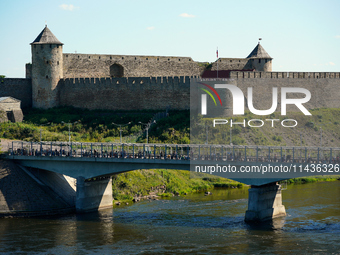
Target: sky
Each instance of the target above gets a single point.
(300, 35)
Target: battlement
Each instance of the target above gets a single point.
(284, 75)
(103, 57)
(182, 81)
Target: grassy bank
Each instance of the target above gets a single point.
(97, 126)
(167, 183)
(311, 179)
(163, 183)
(323, 125)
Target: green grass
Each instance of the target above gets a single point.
(90, 126)
(141, 182)
(306, 133)
(96, 126)
(312, 179)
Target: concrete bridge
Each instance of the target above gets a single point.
(259, 166)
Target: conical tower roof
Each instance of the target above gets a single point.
(46, 37)
(259, 52)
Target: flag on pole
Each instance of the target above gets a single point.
(217, 62)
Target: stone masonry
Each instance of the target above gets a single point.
(20, 195)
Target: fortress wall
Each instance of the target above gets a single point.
(18, 88)
(232, 64)
(139, 93)
(95, 65)
(324, 88)
(133, 93)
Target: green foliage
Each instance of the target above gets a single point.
(96, 126)
(91, 126)
(277, 138)
(310, 124)
(206, 65)
(43, 121)
(173, 129)
(311, 179)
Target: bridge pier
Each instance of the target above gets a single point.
(265, 203)
(94, 194)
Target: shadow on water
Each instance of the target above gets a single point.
(163, 219)
(269, 225)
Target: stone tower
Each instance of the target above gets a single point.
(260, 59)
(47, 69)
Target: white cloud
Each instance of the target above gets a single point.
(68, 7)
(186, 15)
(337, 36)
(332, 64)
(150, 28)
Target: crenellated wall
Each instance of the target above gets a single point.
(132, 93)
(142, 93)
(290, 75)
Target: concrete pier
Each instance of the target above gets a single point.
(265, 203)
(23, 195)
(94, 194)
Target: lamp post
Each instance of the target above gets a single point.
(206, 133)
(147, 128)
(69, 129)
(321, 131)
(120, 128)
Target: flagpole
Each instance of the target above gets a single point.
(217, 61)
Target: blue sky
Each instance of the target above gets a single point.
(299, 35)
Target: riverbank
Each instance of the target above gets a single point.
(150, 184)
(311, 179)
(139, 184)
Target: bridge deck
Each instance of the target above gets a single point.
(99, 159)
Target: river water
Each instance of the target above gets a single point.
(195, 224)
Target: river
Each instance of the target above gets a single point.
(195, 224)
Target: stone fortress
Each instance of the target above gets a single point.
(126, 82)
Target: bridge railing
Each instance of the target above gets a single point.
(249, 153)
